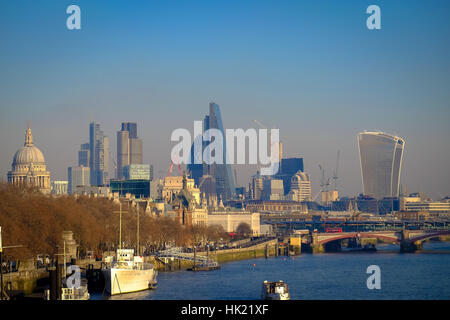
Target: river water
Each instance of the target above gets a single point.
(424, 275)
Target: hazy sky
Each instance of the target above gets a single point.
(310, 68)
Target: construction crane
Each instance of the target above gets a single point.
(324, 183)
(260, 124)
(335, 173)
(169, 173)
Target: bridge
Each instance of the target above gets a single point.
(177, 253)
(409, 240)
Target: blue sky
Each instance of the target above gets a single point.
(310, 68)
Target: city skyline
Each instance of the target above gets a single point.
(295, 67)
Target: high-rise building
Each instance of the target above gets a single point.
(224, 180)
(137, 172)
(138, 188)
(99, 152)
(84, 155)
(272, 189)
(256, 187)
(300, 187)
(77, 177)
(381, 161)
(129, 147)
(289, 167)
(131, 127)
(222, 172)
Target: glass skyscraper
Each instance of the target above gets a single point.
(129, 147)
(225, 185)
(99, 152)
(381, 161)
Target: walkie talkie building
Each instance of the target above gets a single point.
(381, 157)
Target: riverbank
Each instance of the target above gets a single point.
(268, 248)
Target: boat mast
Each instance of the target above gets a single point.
(137, 236)
(120, 225)
(65, 271)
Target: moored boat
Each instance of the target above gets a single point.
(207, 266)
(129, 273)
(275, 290)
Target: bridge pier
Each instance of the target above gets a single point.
(318, 248)
(410, 246)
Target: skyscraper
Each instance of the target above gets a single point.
(84, 155)
(98, 162)
(381, 161)
(224, 180)
(129, 147)
(131, 127)
(289, 167)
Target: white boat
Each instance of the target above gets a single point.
(80, 293)
(276, 290)
(129, 273)
(72, 293)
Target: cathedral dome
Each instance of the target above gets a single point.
(28, 154)
(28, 166)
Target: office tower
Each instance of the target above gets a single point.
(196, 171)
(381, 161)
(99, 152)
(123, 152)
(257, 187)
(138, 188)
(84, 155)
(135, 151)
(78, 176)
(300, 187)
(129, 147)
(137, 172)
(131, 127)
(222, 174)
(272, 189)
(289, 167)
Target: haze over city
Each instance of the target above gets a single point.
(318, 75)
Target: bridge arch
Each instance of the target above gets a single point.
(361, 235)
(429, 236)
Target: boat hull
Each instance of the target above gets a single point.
(118, 281)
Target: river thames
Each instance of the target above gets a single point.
(329, 276)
